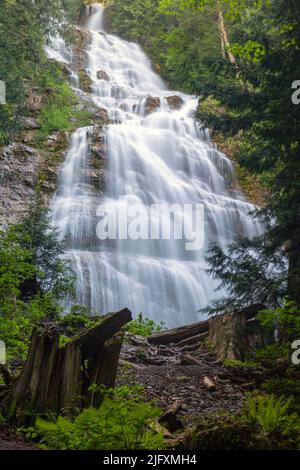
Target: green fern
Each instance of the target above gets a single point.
(271, 415)
(121, 423)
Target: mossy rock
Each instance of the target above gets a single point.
(85, 81)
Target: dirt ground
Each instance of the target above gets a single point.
(189, 376)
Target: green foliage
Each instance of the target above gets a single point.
(239, 364)
(287, 387)
(144, 326)
(37, 236)
(264, 423)
(285, 319)
(272, 419)
(180, 41)
(24, 27)
(251, 273)
(121, 423)
(75, 321)
(255, 95)
(33, 277)
(15, 269)
(270, 354)
(59, 112)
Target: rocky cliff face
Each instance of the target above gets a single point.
(29, 163)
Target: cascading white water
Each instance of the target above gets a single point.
(159, 158)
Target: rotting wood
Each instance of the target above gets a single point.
(55, 378)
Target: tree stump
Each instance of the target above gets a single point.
(57, 379)
(233, 335)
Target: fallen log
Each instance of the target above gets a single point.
(177, 335)
(58, 379)
(193, 340)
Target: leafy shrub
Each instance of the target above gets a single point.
(121, 423)
(143, 326)
(286, 320)
(275, 359)
(271, 417)
(264, 423)
(59, 111)
(76, 320)
(285, 387)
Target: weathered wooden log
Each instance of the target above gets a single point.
(179, 334)
(91, 340)
(193, 340)
(102, 368)
(56, 378)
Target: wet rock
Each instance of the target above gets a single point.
(85, 80)
(152, 104)
(137, 340)
(100, 115)
(83, 15)
(80, 57)
(102, 75)
(34, 101)
(97, 151)
(174, 102)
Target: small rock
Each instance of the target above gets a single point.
(101, 115)
(102, 75)
(187, 360)
(29, 123)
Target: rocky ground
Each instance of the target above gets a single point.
(13, 442)
(188, 378)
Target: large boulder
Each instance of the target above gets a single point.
(174, 102)
(101, 116)
(152, 104)
(30, 124)
(82, 40)
(85, 80)
(83, 15)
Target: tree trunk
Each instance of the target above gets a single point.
(233, 335)
(224, 36)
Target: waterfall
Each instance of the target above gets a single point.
(156, 155)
